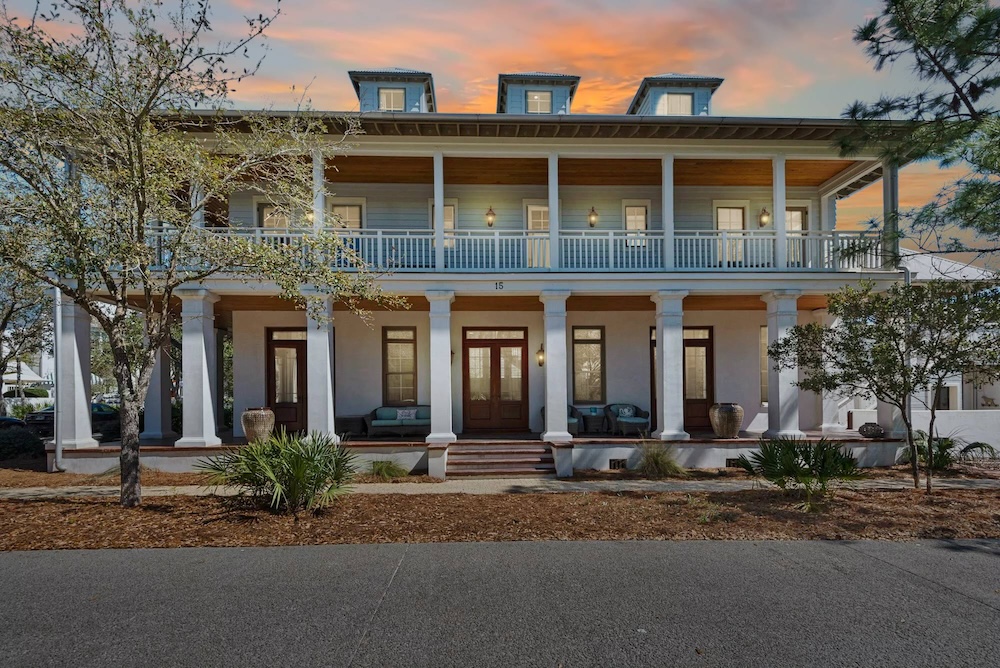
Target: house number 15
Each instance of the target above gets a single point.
(499, 285)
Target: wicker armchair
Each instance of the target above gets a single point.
(573, 419)
(638, 423)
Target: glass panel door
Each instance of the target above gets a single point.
(699, 376)
(510, 373)
(538, 221)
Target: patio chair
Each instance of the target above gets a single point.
(573, 420)
(626, 418)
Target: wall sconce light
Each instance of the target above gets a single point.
(491, 217)
(764, 219)
(540, 355)
(592, 217)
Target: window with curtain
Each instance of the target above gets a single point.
(399, 366)
(588, 365)
(270, 218)
(675, 104)
(391, 99)
(349, 215)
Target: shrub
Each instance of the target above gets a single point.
(20, 411)
(28, 393)
(288, 473)
(947, 450)
(386, 469)
(19, 442)
(656, 460)
(798, 465)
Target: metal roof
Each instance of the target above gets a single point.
(397, 74)
(674, 79)
(539, 77)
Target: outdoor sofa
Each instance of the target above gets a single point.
(395, 420)
(626, 418)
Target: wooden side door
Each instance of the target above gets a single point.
(286, 384)
(699, 377)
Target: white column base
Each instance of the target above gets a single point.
(196, 442)
(79, 443)
(443, 437)
(437, 462)
(557, 437)
(833, 428)
(157, 436)
(671, 435)
(563, 457)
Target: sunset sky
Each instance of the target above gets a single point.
(778, 57)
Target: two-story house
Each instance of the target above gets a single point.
(556, 263)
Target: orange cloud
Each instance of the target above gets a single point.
(918, 185)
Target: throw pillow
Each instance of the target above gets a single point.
(406, 413)
(626, 411)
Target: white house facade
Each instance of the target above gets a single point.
(559, 267)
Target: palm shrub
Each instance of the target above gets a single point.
(656, 460)
(288, 473)
(945, 451)
(795, 464)
(387, 469)
(18, 442)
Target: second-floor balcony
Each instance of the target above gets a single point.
(491, 251)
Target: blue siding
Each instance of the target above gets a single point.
(516, 97)
(368, 95)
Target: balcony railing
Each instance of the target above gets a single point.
(590, 250)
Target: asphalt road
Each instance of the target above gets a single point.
(507, 604)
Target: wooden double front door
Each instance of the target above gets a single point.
(699, 376)
(495, 379)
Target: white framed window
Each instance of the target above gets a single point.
(348, 213)
(635, 218)
(730, 214)
(675, 104)
(269, 215)
(538, 102)
(536, 219)
(391, 99)
(450, 216)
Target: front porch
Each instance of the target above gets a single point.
(483, 370)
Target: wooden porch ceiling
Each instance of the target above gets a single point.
(579, 171)
(229, 303)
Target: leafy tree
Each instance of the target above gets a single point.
(898, 346)
(25, 321)
(953, 47)
(115, 151)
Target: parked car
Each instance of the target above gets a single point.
(103, 418)
(6, 422)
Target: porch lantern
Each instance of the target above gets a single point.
(592, 217)
(540, 355)
(764, 218)
(491, 217)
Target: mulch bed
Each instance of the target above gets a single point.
(392, 518)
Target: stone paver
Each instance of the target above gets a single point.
(497, 486)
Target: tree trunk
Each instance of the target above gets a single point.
(911, 444)
(930, 451)
(131, 492)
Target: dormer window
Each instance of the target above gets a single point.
(391, 99)
(675, 104)
(538, 102)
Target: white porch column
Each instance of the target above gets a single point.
(197, 214)
(198, 368)
(556, 368)
(670, 365)
(782, 394)
(667, 195)
(320, 373)
(442, 430)
(439, 211)
(829, 401)
(156, 411)
(779, 199)
(828, 212)
(554, 211)
(889, 418)
(319, 189)
(890, 215)
(73, 429)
